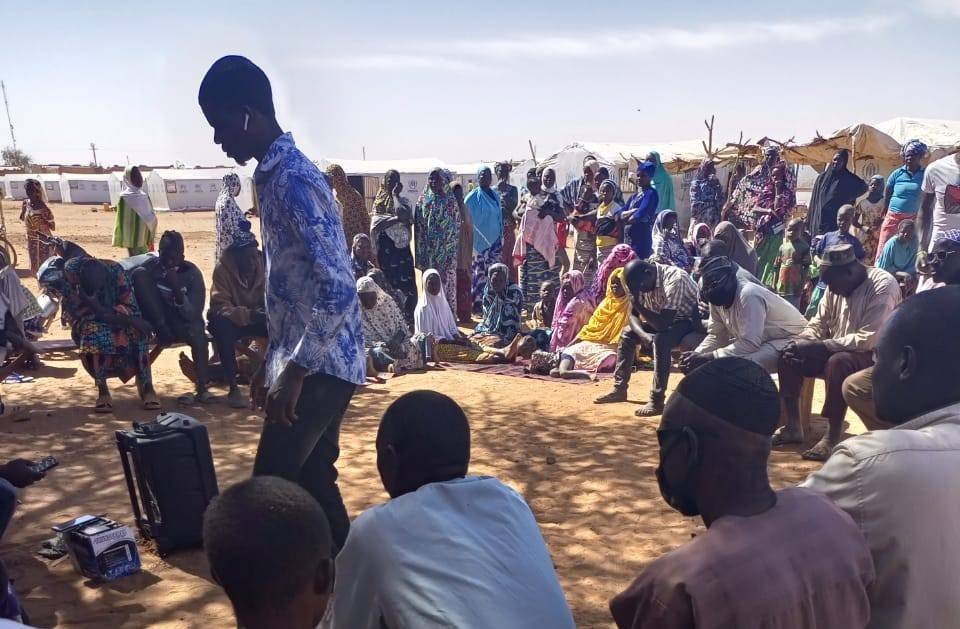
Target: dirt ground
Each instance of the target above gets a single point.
(586, 470)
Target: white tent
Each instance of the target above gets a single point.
(85, 188)
(14, 185)
(942, 136)
(185, 189)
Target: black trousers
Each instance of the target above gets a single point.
(225, 334)
(307, 451)
(663, 344)
(159, 313)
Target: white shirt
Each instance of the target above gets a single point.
(757, 316)
(901, 488)
(462, 553)
(946, 211)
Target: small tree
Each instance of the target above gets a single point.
(15, 157)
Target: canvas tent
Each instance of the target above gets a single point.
(942, 136)
(189, 189)
(14, 185)
(85, 188)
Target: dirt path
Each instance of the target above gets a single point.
(587, 471)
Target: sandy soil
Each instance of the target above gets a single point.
(587, 471)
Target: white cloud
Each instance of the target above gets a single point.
(388, 61)
(941, 7)
(665, 38)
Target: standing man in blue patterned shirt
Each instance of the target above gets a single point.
(315, 356)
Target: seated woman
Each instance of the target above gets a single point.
(700, 234)
(574, 307)
(617, 259)
(502, 302)
(596, 346)
(361, 254)
(106, 324)
(668, 247)
(385, 333)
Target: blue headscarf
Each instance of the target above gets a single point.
(663, 184)
(484, 206)
(913, 147)
(646, 166)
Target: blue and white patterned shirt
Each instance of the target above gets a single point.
(313, 313)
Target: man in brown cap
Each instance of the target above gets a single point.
(837, 342)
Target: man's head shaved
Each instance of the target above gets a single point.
(915, 370)
(424, 437)
(640, 275)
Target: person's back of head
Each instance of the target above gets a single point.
(424, 437)
(269, 546)
(640, 276)
(915, 370)
(715, 248)
(715, 436)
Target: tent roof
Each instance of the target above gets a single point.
(373, 167)
(863, 140)
(87, 176)
(39, 176)
(676, 156)
(179, 174)
(942, 136)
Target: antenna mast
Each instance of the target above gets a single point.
(9, 122)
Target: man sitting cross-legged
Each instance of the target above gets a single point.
(899, 485)
(665, 309)
(746, 319)
(171, 294)
(447, 549)
(237, 309)
(270, 549)
(837, 342)
(788, 559)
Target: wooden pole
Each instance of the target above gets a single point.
(533, 151)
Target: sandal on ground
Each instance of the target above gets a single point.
(206, 397)
(150, 402)
(236, 399)
(819, 452)
(780, 438)
(617, 395)
(104, 405)
(650, 409)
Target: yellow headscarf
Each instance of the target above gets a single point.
(610, 317)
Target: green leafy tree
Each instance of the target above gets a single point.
(15, 157)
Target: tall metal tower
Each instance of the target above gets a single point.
(9, 122)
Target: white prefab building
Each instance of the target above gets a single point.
(190, 189)
(84, 188)
(14, 185)
(366, 175)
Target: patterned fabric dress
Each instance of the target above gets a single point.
(356, 219)
(38, 220)
(105, 350)
(870, 218)
(484, 207)
(392, 246)
(386, 335)
(437, 223)
(501, 313)
(706, 199)
(509, 201)
(228, 214)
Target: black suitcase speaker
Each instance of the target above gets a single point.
(170, 478)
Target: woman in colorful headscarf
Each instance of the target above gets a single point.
(228, 214)
(501, 309)
(483, 202)
(574, 307)
(509, 202)
(437, 223)
(464, 257)
(390, 237)
(536, 248)
(596, 346)
(869, 217)
(706, 197)
(903, 194)
(834, 187)
(662, 183)
(386, 336)
(739, 249)
(700, 234)
(609, 230)
(762, 203)
(39, 222)
(668, 247)
(107, 326)
(618, 258)
(356, 219)
(136, 224)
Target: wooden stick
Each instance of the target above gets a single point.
(533, 152)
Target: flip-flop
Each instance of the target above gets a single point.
(103, 406)
(206, 398)
(17, 378)
(187, 399)
(816, 453)
(151, 403)
(779, 440)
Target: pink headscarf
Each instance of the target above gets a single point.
(570, 316)
(617, 259)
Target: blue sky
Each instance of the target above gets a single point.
(470, 81)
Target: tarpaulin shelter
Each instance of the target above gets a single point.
(942, 136)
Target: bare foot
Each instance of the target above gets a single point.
(821, 451)
(782, 436)
(512, 348)
(650, 409)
